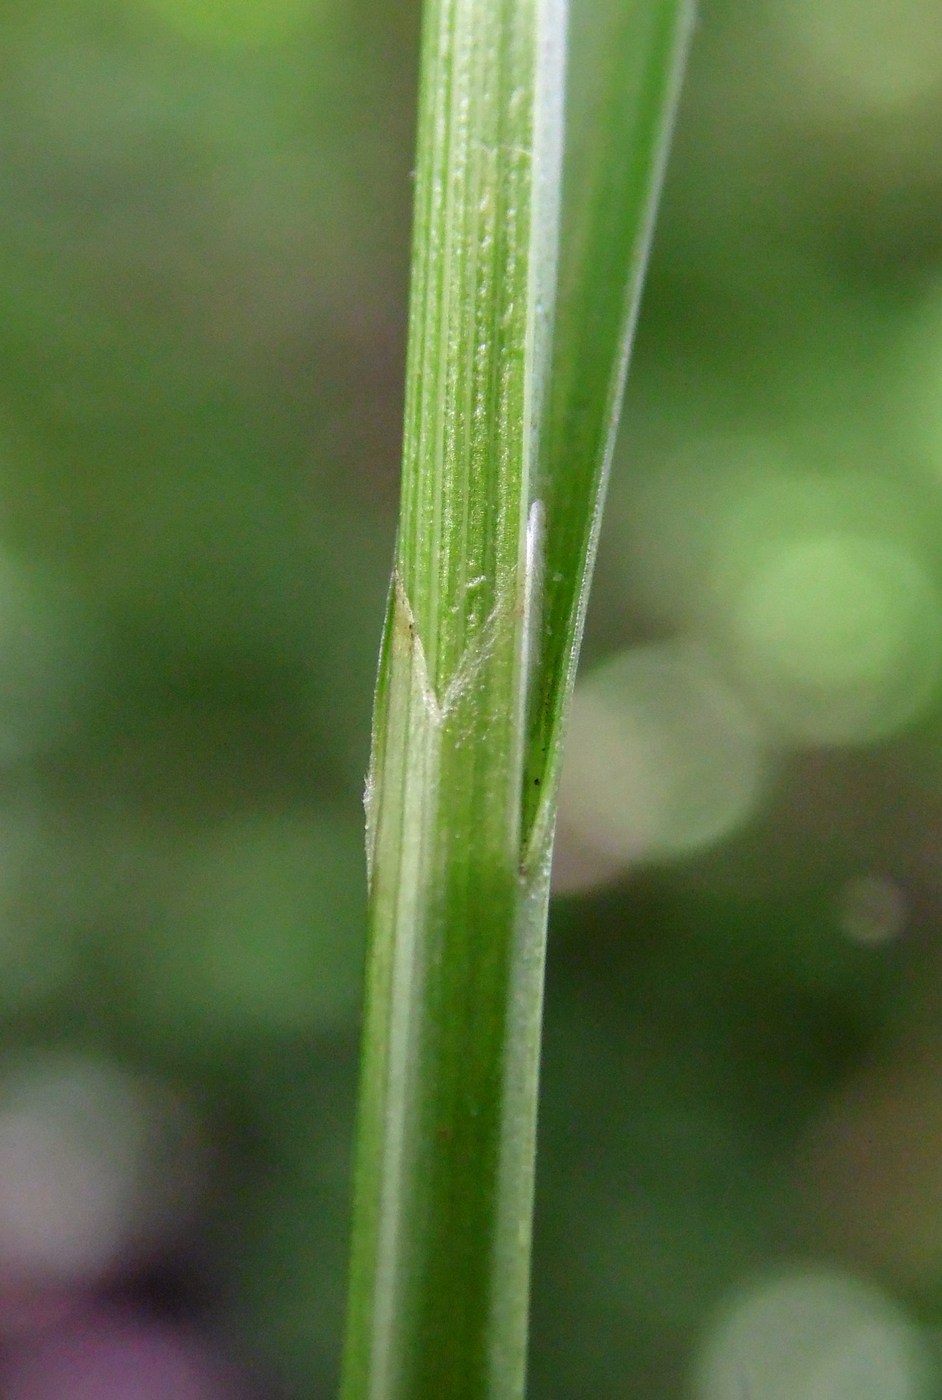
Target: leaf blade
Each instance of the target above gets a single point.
(626, 63)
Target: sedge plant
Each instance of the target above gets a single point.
(541, 143)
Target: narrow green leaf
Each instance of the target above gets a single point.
(625, 65)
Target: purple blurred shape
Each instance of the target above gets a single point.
(29, 1308)
(117, 1355)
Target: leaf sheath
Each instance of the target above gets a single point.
(444, 1181)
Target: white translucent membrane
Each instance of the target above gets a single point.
(879, 59)
(814, 1335)
(662, 760)
(113, 1355)
(98, 1169)
(836, 636)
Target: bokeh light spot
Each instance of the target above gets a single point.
(97, 1168)
(836, 637)
(663, 760)
(814, 1335)
(872, 909)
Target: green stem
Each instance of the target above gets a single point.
(444, 1180)
(510, 414)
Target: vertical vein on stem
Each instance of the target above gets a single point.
(441, 1139)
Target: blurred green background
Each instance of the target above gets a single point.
(204, 223)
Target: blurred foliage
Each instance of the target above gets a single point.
(203, 261)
